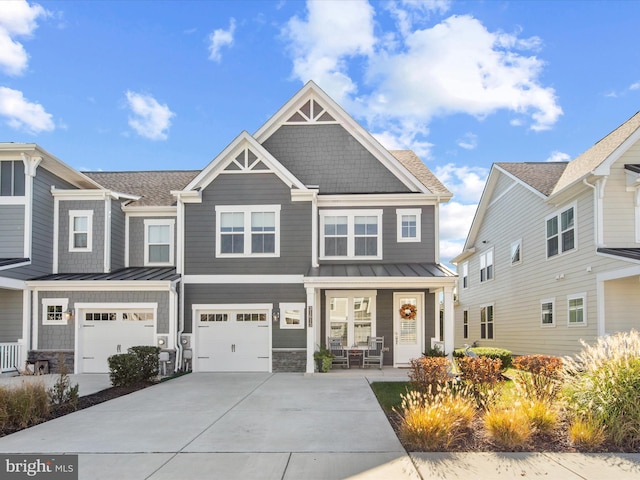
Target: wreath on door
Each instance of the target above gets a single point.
(408, 311)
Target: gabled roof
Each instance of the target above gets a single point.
(153, 186)
(417, 167)
(542, 176)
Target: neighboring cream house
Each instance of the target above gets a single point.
(553, 254)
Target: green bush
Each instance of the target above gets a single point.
(148, 357)
(505, 356)
(124, 369)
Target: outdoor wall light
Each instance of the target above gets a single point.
(68, 314)
(275, 316)
(162, 342)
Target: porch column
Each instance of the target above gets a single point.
(312, 320)
(449, 320)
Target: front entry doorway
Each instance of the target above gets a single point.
(408, 327)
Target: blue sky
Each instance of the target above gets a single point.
(141, 85)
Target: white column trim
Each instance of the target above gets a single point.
(312, 321)
(449, 320)
(34, 320)
(30, 166)
(56, 234)
(26, 326)
(107, 234)
(127, 218)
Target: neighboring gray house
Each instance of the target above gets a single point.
(307, 228)
(553, 254)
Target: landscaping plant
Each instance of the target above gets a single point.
(540, 376)
(22, 405)
(586, 434)
(509, 427)
(505, 356)
(62, 394)
(483, 377)
(427, 373)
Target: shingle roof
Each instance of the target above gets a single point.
(123, 274)
(542, 176)
(407, 270)
(417, 167)
(589, 160)
(153, 186)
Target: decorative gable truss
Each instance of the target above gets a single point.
(246, 162)
(311, 112)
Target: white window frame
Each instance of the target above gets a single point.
(465, 324)
(464, 278)
(77, 214)
(54, 302)
(159, 222)
(575, 296)
(417, 212)
(486, 322)
(543, 302)
(301, 307)
(558, 215)
(247, 210)
(350, 295)
(516, 246)
(486, 266)
(351, 214)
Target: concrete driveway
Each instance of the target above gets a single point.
(272, 426)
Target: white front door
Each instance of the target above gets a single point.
(408, 328)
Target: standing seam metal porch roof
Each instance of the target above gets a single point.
(123, 274)
(631, 253)
(385, 270)
(4, 262)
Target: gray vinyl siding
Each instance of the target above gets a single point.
(12, 231)
(247, 294)
(136, 239)
(117, 236)
(10, 315)
(81, 262)
(247, 189)
(328, 156)
(56, 337)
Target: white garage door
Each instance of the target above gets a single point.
(232, 340)
(107, 331)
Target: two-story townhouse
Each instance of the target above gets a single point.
(306, 229)
(553, 253)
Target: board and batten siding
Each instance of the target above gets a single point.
(517, 290)
(619, 205)
(10, 315)
(242, 190)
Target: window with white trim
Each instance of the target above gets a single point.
(80, 230)
(351, 316)
(248, 231)
(560, 230)
(12, 178)
(292, 315)
(158, 241)
(54, 311)
(465, 324)
(486, 266)
(351, 234)
(465, 275)
(516, 252)
(409, 224)
(486, 322)
(547, 312)
(577, 309)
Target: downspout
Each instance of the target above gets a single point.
(174, 293)
(179, 270)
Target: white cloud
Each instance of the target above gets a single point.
(469, 141)
(466, 183)
(17, 19)
(455, 222)
(557, 156)
(634, 86)
(149, 118)
(221, 38)
(21, 114)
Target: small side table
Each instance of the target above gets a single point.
(356, 355)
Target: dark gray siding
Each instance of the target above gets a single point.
(10, 315)
(58, 337)
(117, 236)
(246, 294)
(81, 262)
(12, 231)
(136, 239)
(328, 156)
(247, 189)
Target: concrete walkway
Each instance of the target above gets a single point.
(272, 426)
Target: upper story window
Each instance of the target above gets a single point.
(516, 252)
(409, 222)
(80, 230)
(248, 231)
(54, 311)
(158, 241)
(561, 232)
(351, 234)
(486, 266)
(465, 275)
(12, 178)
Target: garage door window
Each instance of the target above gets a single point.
(100, 316)
(137, 316)
(214, 317)
(251, 317)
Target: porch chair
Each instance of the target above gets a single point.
(340, 354)
(374, 354)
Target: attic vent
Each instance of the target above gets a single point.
(311, 112)
(246, 161)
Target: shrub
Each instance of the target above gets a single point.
(603, 384)
(23, 405)
(434, 352)
(435, 420)
(539, 378)
(505, 356)
(586, 434)
(543, 417)
(508, 427)
(426, 373)
(124, 369)
(62, 394)
(483, 377)
(148, 357)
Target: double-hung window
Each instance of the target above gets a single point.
(547, 317)
(486, 322)
(248, 231)
(158, 241)
(577, 314)
(465, 275)
(351, 234)
(560, 230)
(486, 266)
(12, 178)
(80, 230)
(408, 224)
